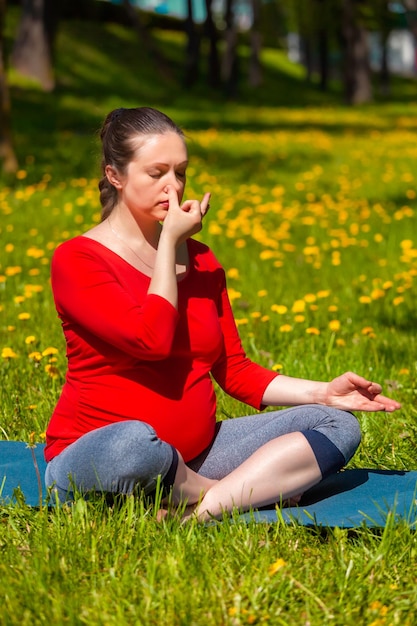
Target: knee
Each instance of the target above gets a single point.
(142, 457)
(350, 434)
(132, 439)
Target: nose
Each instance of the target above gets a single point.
(172, 180)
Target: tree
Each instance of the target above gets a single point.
(255, 68)
(32, 53)
(213, 58)
(7, 155)
(230, 57)
(144, 37)
(193, 48)
(356, 66)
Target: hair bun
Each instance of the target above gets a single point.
(116, 114)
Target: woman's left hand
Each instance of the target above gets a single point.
(354, 393)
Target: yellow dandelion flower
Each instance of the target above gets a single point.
(9, 247)
(340, 342)
(404, 371)
(242, 321)
(52, 371)
(18, 299)
(240, 243)
(298, 306)
(49, 351)
(365, 300)
(262, 293)
(279, 564)
(281, 309)
(377, 294)
(285, 328)
(233, 272)
(324, 293)
(310, 297)
(23, 316)
(233, 294)
(277, 366)
(299, 318)
(8, 353)
(35, 356)
(30, 339)
(367, 330)
(398, 300)
(256, 314)
(21, 174)
(265, 318)
(35, 252)
(11, 328)
(29, 289)
(334, 325)
(13, 270)
(312, 331)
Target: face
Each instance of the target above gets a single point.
(160, 162)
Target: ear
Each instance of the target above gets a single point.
(113, 176)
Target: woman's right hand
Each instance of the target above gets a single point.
(181, 222)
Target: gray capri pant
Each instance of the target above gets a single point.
(128, 457)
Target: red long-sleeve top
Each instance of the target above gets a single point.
(132, 355)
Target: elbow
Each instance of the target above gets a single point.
(153, 350)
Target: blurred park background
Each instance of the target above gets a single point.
(194, 55)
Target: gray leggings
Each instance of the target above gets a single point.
(126, 457)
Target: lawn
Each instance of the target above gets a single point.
(314, 218)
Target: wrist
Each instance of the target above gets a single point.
(320, 393)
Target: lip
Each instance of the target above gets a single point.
(164, 204)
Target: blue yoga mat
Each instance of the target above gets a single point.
(349, 499)
(22, 471)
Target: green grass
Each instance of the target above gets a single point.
(313, 215)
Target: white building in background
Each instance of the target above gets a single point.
(402, 51)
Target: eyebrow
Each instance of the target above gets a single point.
(168, 164)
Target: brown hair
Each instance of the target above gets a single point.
(117, 135)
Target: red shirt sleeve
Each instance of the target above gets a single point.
(238, 375)
(90, 293)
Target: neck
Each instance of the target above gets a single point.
(132, 231)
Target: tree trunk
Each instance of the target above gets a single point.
(193, 48)
(7, 155)
(145, 39)
(323, 44)
(230, 60)
(356, 67)
(32, 54)
(213, 61)
(255, 68)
